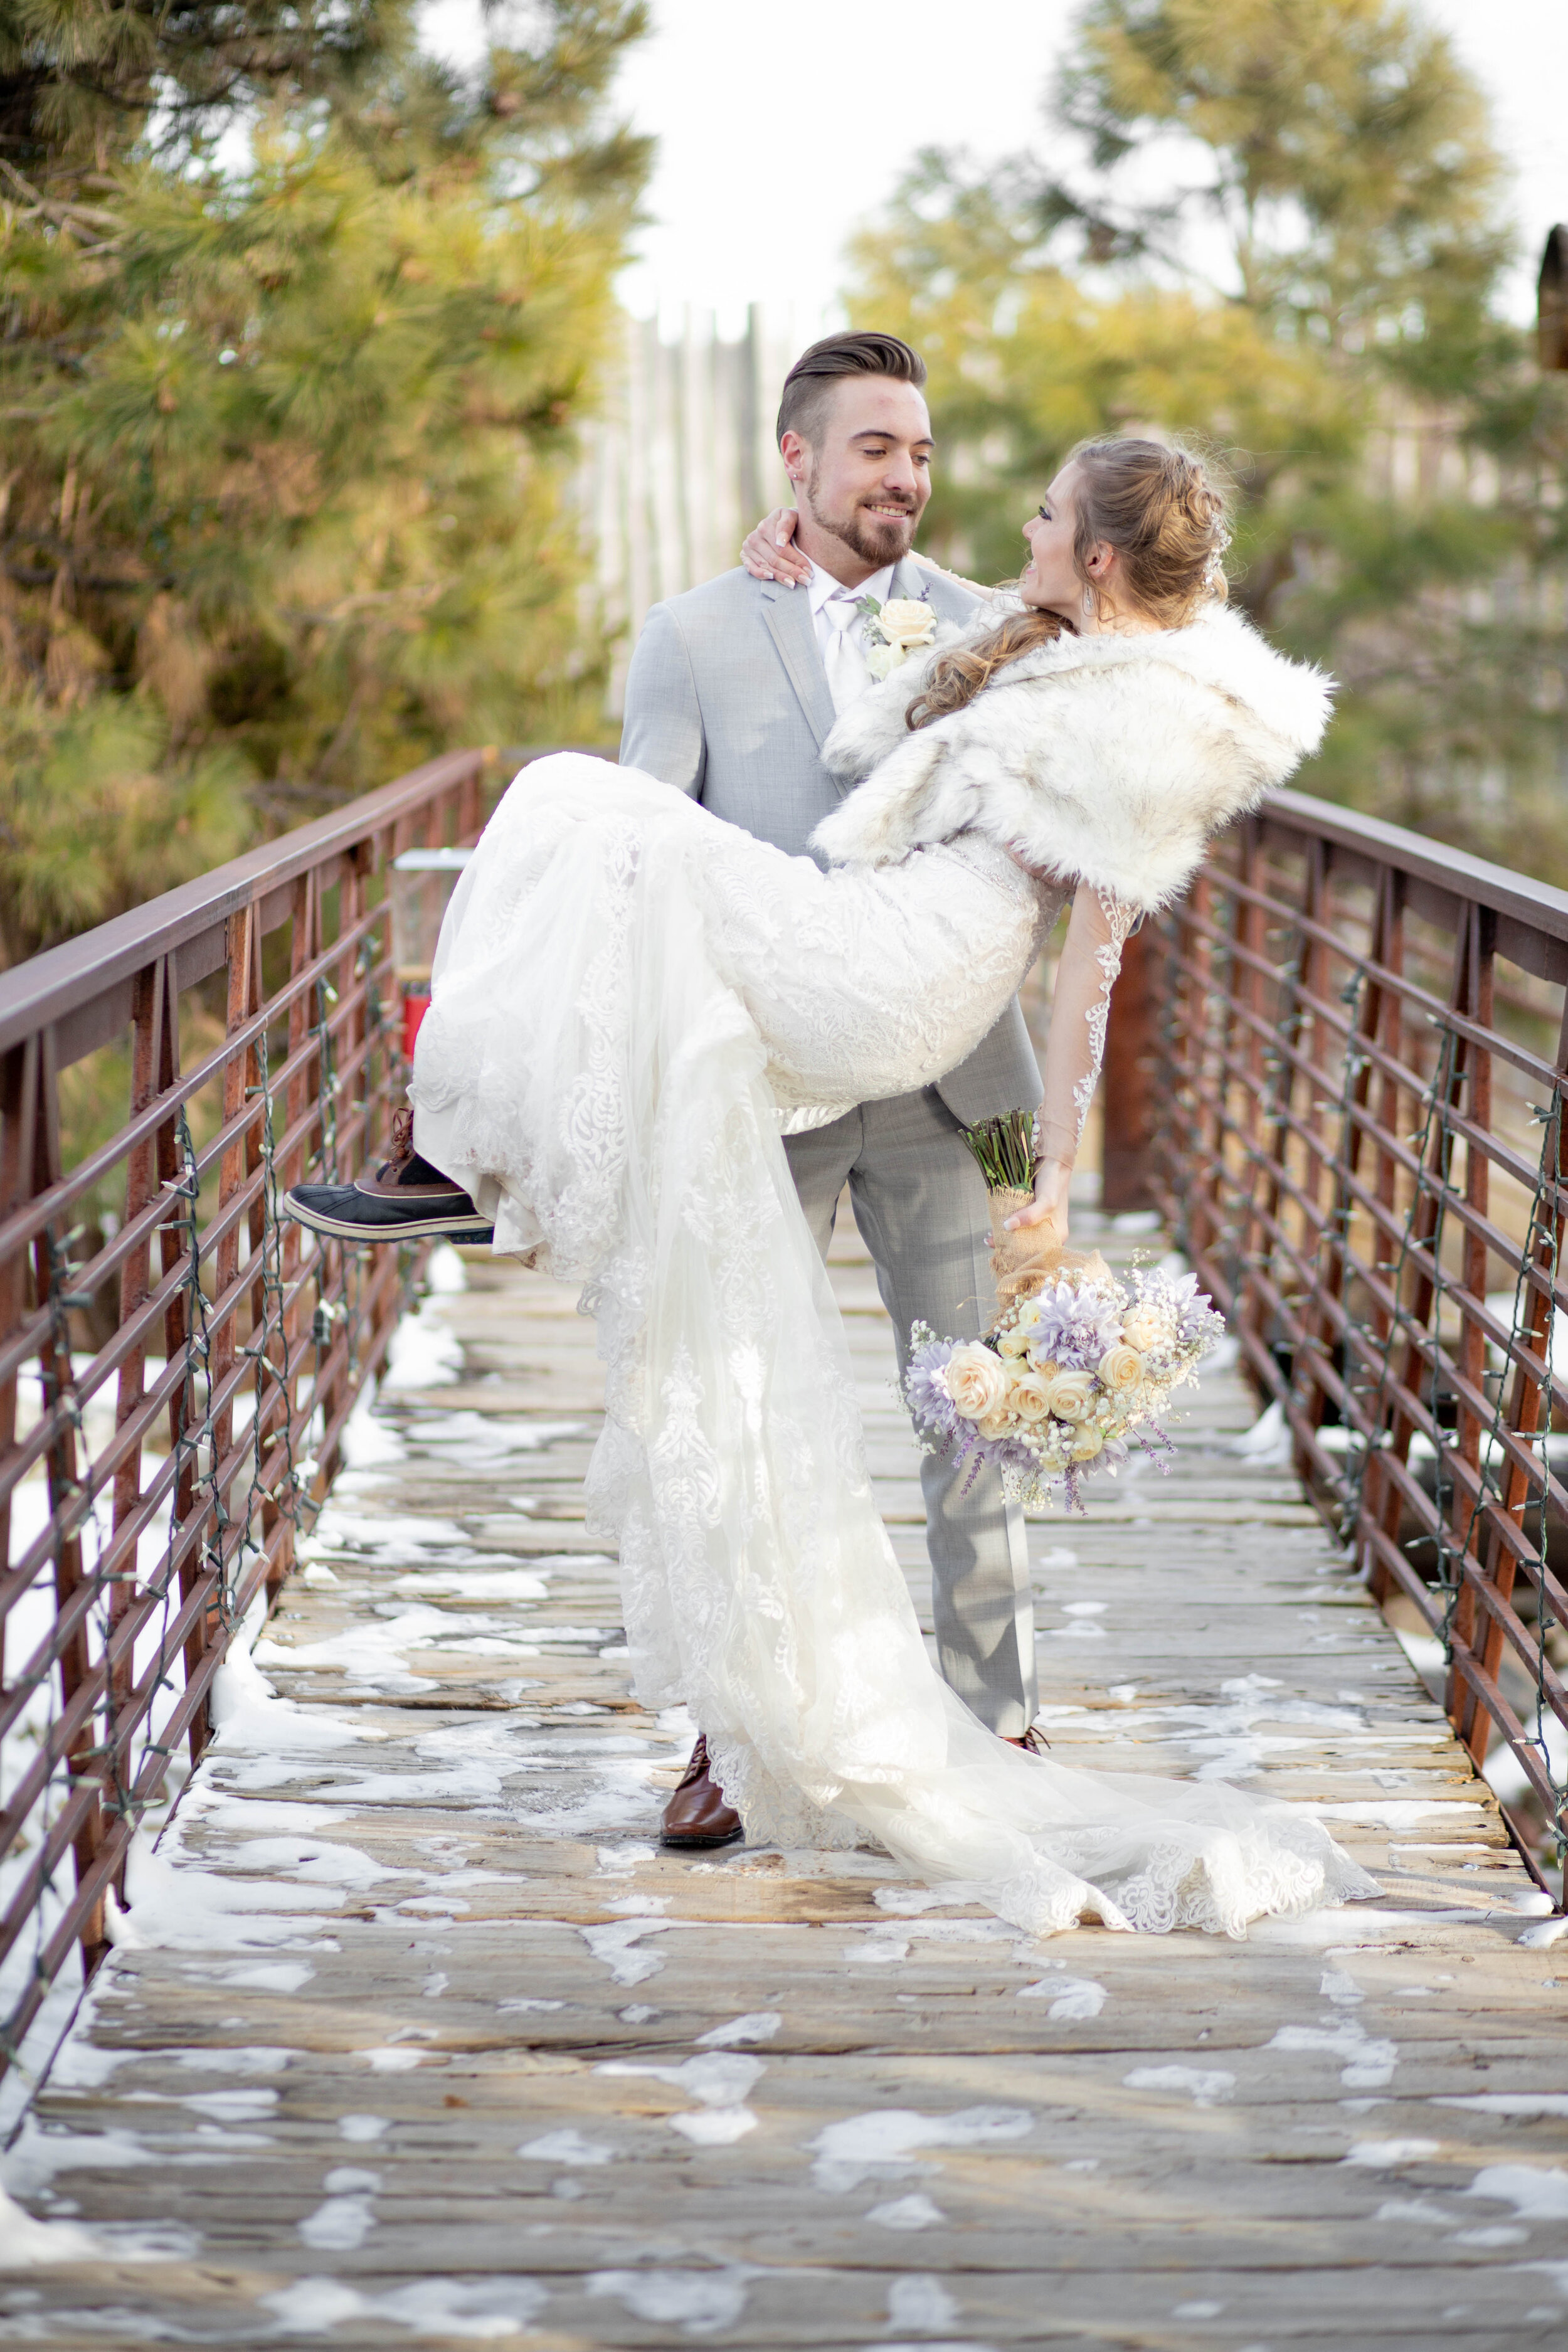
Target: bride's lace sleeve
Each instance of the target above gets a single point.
(1098, 929)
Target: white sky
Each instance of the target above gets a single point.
(785, 124)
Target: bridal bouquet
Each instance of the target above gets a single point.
(1079, 1361)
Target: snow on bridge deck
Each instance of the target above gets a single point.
(416, 2037)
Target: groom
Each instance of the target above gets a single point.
(731, 691)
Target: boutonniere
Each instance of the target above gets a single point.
(902, 626)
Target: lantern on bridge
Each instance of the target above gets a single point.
(420, 891)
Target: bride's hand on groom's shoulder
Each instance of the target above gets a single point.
(770, 552)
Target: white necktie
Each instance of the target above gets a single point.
(843, 657)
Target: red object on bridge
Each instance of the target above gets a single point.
(415, 1007)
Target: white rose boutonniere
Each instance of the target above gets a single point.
(902, 626)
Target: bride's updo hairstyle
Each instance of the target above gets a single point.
(1166, 518)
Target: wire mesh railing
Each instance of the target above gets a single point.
(1344, 1060)
(177, 1364)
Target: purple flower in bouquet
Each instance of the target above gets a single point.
(1197, 1325)
(926, 1392)
(1074, 1327)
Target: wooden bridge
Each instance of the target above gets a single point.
(404, 2030)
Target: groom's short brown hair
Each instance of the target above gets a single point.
(809, 381)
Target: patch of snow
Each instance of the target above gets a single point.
(881, 2144)
(757, 2025)
(1205, 2086)
(567, 2148)
(178, 1908)
(1401, 1813)
(616, 1945)
(27, 2243)
(923, 2303)
(1269, 1443)
(1535, 2193)
(908, 1902)
(1424, 2212)
(1388, 2154)
(881, 1947)
(232, 2106)
(1368, 2064)
(915, 2211)
(720, 2081)
(424, 1353)
(481, 2308)
(347, 2218)
(1071, 1997)
(714, 2126)
(368, 1440)
(1526, 2104)
(700, 2302)
(475, 1584)
(446, 1275)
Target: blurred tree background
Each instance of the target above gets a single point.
(1278, 228)
(297, 326)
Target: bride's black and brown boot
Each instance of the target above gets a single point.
(1034, 1741)
(406, 1199)
(697, 1813)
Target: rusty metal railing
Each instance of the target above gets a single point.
(1341, 1068)
(177, 1366)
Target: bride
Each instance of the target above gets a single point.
(633, 1002)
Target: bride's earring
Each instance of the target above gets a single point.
(1087, 604)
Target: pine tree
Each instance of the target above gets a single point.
(1312, 280)
(287, 448)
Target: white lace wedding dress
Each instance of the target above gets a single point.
(632, 1001)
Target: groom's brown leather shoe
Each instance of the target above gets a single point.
(697, 1813)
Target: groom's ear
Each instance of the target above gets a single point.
(795, 453)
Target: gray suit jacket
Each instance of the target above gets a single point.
(728, 699)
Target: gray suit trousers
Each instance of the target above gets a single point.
(921, 1209)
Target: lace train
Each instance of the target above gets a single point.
(630, 999)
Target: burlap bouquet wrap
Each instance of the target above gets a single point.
(1024, 1261)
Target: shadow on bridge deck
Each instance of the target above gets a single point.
(413, 2035)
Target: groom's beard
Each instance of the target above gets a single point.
(876, 538)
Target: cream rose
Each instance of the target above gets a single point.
(905, 620)
(883, 660)
(1121, 1368)
(996, 1424)
(1013, 1343)
(1030, 1398)
(1072, 1395)
(976, 1381)
(1145, 1327)
(1087, 1443)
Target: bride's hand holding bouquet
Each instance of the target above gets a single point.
(1079, 1362)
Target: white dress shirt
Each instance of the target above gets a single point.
(841, 630)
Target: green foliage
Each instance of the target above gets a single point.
(1330, 160)
(1338, 148)
(286, 449)
(96, 815)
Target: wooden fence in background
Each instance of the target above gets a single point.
(681, 462)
